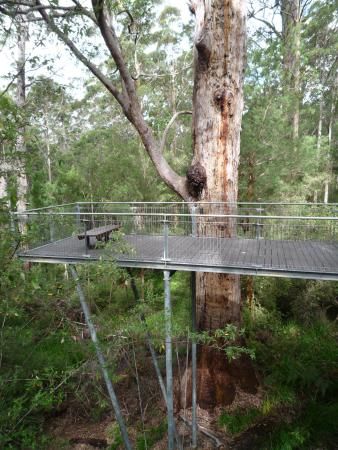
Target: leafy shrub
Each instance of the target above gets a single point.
(239, 420)
(299, 364)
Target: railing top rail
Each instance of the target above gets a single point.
(168, 215)
(196, 204)
(208, 203)
(43, 208)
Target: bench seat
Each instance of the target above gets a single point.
(100, 233)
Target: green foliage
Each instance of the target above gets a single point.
(114, 434)
(316, 426)
(225, 340)
(151, 436)
(298, 364)
(239, 420)
(9, 118)
(303, 300)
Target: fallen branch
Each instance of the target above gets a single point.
(218, 443)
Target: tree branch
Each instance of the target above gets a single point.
(112, 43)
(134, 112)
(167, 128)
(81, 57)
(302, 10)
(268, 24)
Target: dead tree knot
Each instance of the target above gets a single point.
(219, 98)
(203, 46)
(197, 177)
(224, 99)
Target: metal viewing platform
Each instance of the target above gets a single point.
(298, 240)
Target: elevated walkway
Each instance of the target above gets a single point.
(271, 239)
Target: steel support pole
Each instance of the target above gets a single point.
(193, 363)
(101, 359)
(193, 343)
(153, 356)
(168, 360)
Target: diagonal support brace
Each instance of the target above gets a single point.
(101, 358)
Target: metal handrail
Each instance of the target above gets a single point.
(144, 214)
(183, 203)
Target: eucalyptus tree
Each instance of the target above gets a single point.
(17, 165)
(217, 103)
(47, 111)
(294, 46)
(321, 84)
(292, 15)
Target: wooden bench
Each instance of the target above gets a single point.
(100, 233)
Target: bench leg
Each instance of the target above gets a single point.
(87, 242)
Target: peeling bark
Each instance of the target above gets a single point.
(218, 104)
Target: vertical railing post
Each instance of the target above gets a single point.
(92, 214)
(12, 222)
(77, 216)
(51, 226)
(102, 361)
(258, 224)
(168, 359)
(165, 239)
(193, 221)
(13, 229)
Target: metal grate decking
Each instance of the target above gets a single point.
(298, 259)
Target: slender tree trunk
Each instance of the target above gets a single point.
(291, 25)
(173, 101)
(320, 125)
(22, 184)
(48, 155)
(3, 173)
(329, 160)
(213, 175)
(3, 187)
(326, 191)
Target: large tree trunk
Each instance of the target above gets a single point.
(217, 114)
(213, 176)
